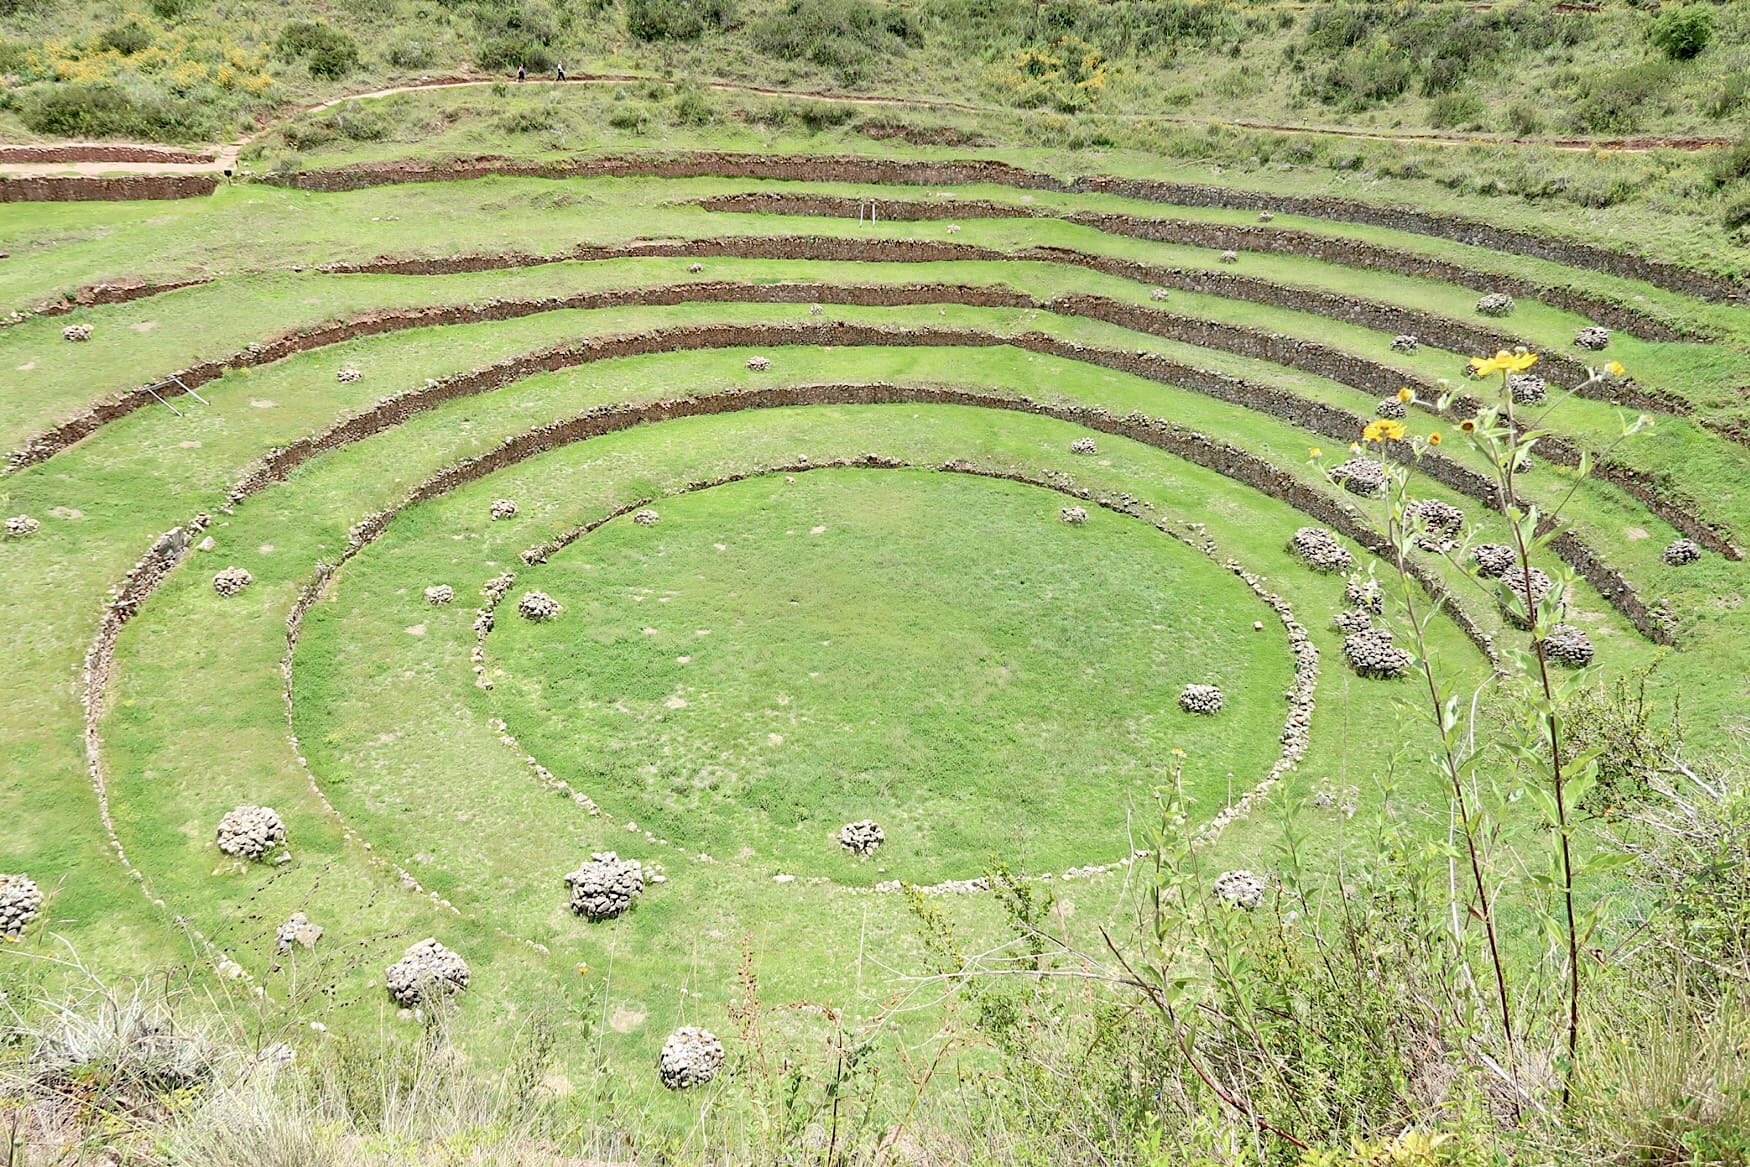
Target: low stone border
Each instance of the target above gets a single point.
(955, 172)
(1245, 237)
(1327, 420)
(111, 188)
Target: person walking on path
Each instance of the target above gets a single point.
(559, 73)
(522, 73)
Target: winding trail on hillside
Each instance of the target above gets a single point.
(17, 159)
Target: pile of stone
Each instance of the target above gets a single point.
(862, 838)
(1593, 338)
(1074, 516)
(1201, 699)
(1349, 620)
(440, 594)
(606, 886)
(695, 268)
(1405, 342)
(1569, 646)
(1371, 653)
(76, 332)
(1495, 304)
(496, 588)
(1391, 409)
(1318, 549)
(1240, 889)
(537, 606)
(348, 375)
(759, 364)
(502, 508)
(22, 527)
(1435, 525)
(251, 832)
(20, 901)
(1682, 553)
(1527, 389)
(1084, 446)
(816, 310)
(1158, 294)
(690, 1057)
(296, 930)
(1266, 217)
(646, 518)
(427, 971)
(1493, 560)
(1361, 476)
(1230, 257)
(1364, 592)
(1514, 593)
(232, 580)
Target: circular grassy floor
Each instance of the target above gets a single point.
(940, 653)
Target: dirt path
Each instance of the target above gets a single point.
(15, 160)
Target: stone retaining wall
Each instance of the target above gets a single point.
(115, 188)
(1328, 420)
(1670, 276)
(100, 152)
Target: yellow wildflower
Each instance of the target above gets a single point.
(1406, 394)
(1468, 425)
(1434, 438)
(1384, 430)
(1177, 752)
(1502, 362)
(1354, 447)
(1315, 452)
(582, 969)
(1615, 369)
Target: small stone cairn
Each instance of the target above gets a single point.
(232, 580)
(1361, 476)
(502, 508)
(1371, 653)
(1159, 294)
(1363, 592)
(1204, 700)
(537, 606)
(296, 930)
(1593, 339)
(348, 375)
(1568, 646)
(1681, 553)
(1230, 257)
(1496, 304)
(1514, 594)
(1074, 516)
(1391, 409)
(690, 1057)
(440, 594)
(1527, 388)
(251, 832)
(646, 518)
(1406, 342)
(426, 971)
(22, 527)
(695, 268)
(77, 333)
(1240, 889)
(20, 901)
(1434, 524)
(759, 364)
(1318, 549)
(1266, 217)
(1084, 446)
(605, 887)
(1493, 560)
(862, 838)
(1347, 620)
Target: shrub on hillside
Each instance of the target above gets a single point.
(849, 37)
(105, 110)
(1456, 111)
(677, 20)
(1618, 102)
(502, 54)
(1682, 33)
(327, 51)
(408, 52)
(127, 38)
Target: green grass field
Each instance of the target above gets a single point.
(805, 646)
